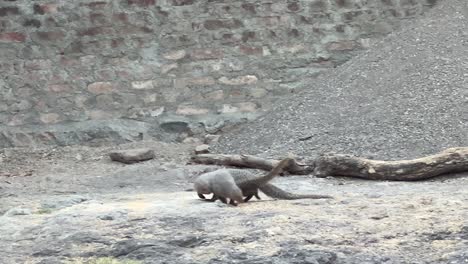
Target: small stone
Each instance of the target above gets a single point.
(206, 54)
(201, 81)
(247, 107)
(50, 118)
(168, 67)
(215, 95)
(189, 110)
(62, 202)
(99, 114)
(341, 46)
(241, 80)
(209, 139)
(140, 85)
(373, 195)
(379, 216)
(100, 88)
(130, 156)
(151, 98)
(191, 140)
(202, 149)
(106, 217)
(20, 106)
(18, 211)
(58, 88)
(175, 55)
(228, 109)
(157, 112)
(258, 92)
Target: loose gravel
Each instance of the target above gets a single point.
(405, 97)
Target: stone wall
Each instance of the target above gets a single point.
(173, 63)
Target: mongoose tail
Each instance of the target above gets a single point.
(255, 183)
(275, 192)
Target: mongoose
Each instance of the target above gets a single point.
(268, 188)
(222, 184)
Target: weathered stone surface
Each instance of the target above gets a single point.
(130, 156)
(148, 54)
(94, 132)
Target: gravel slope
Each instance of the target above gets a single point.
(405, 97)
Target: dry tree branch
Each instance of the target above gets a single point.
(448, 161)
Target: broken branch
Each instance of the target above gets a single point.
(247, 161)
(449, 161)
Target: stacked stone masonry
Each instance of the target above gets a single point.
(72, 61)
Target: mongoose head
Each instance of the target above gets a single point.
(202, 187)
(237, 196)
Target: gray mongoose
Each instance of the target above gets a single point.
(222, 184)
(268, 188)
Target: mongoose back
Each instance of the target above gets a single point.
(222, 184)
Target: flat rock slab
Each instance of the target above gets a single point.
(130, 156)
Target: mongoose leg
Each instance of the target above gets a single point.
(201, 196)
(232, 202)
(223, 199)
(246, 199)
(257, 196)
(214, 198)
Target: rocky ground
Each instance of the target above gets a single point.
(405, 97)
(74, 205)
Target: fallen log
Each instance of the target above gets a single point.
(248, 161)
(448, 161)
